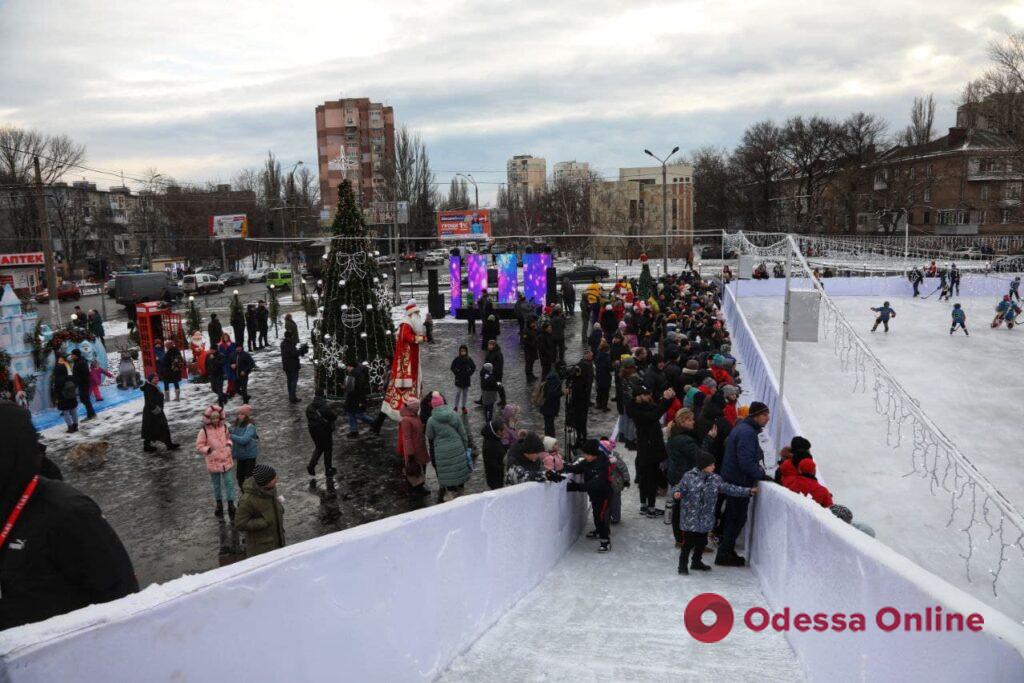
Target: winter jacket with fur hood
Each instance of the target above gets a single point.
(214, 442)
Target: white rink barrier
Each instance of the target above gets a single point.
(888, 286)
(810, 562)
(394, 600)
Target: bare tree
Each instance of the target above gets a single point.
(809, 148)
(458, 195)
(757, 162)
(862, 136)
(57, 153)
(714, 188)
(922, 118)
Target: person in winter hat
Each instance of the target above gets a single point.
(696, 495)
(59, 554)
(462, 368)
(488, 390)
(213, 442)
(525, 461)
(806, 483)
(620, 480)
(245, 444)
(552, 456)
(321, 417)
(494, 433)
(412, 447)
(597, 484)
(742, 465)
(261, 512)
(447, 436)
(154, 421)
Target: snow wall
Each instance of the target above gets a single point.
(809, 561)
(891, 285)
(394, 600)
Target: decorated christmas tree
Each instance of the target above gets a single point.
(645, 286)
(355, 323)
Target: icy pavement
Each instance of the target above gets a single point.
(961, 383)
(619, 617)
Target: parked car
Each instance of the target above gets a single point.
(281, 278)
(232, 278)
(108, 287)
(584, 273)
(131, 288)
(258, 275)
(201, 283)
(66, 291)
(967, 253)
(207, 270)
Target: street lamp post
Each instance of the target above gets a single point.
(294, 247)
(664, 200)
(476, 188)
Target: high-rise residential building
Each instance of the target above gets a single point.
(628, 212)
(570, 171)
(355, 138)
(526, 174)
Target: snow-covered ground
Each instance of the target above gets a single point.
(965, 384)
(619, 617)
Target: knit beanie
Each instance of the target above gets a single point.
(245, 410)
(532, 444)
(550, 443)
(591, 447)
(263, 475)
(436, 400)
(704, 459)
(730, 390)
(799, 443)
(756, 408)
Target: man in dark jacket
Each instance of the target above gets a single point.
(646, 412)
(528, 340)
(491, 330)
(244, 365)
(290, 326)
(742, 466)
(154, 421)
(320, 418)
(597, 484)
(546, 349)
(581, 384)
(263, 323)
(357, 391)
(80, 373)
(496, 358)
(215, 373)
(558, 332)
(251, 326)
(215, 330)
(523, 311)
(290, 354)
(603, 375)
(568, 296)
(60, 554)
(552, 401)
(494, 453)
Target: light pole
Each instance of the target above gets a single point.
(664, 201)
(294, 247)
(476, 188)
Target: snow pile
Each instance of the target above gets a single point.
(391, 600)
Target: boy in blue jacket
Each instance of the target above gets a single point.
(884, 312)
(697, 493)
(959, 319)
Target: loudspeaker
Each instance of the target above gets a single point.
(435, 300)
(492, 276)
(552, 283)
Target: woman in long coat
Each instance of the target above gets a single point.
(154, 422)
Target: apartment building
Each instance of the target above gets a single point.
(570, 171)
(355, 138)
(526, 174)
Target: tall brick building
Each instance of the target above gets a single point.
(354, 137)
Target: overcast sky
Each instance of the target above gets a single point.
(198, 91)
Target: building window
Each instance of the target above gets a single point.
(1005, 216)
(927, 194)
(984, 192)
(926, 217)
(928, 170)
(1011, 191)
(675, 208)
(985, 165)
(913, 172)
(952, 217)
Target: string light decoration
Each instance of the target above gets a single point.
(992, 528)
(355, 326)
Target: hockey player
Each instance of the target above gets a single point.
(1011, 315)
(1015, 288)
(959, 318)
(884, 313)
(954, 279)
(916, 278)
(946, 289)
(1001, 308)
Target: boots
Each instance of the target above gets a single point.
(177, 393)
(231, 509)
(440, 494)
(698, 565)
(219, 511)
(167, 395)
(684, 560)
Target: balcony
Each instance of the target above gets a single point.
(993, 174)
(881, 183)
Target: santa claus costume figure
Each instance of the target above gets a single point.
(405, 381)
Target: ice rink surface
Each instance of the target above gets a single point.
(966, 385)
(618, 616)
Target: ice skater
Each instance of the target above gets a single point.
(916, 278)
(1001, 308)
(946, 290)
(1015, 288)
(1011, 316)
(959, 319)
(954, 279)
(885, 311)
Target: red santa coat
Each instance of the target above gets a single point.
(405, 381)
(804, 483)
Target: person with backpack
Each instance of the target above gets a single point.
(463, 369)
(213, 442)
(620, 480)
(597, 473)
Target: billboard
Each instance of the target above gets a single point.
(464, 224)
(230, 227)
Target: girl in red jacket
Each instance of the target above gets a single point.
(805, 483)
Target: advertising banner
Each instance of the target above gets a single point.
(464, 225)
(230, 227)
(32, 258)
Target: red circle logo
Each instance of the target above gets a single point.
(717, 605)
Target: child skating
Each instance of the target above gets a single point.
(959, 320)
(884, 312)
(1001, 308)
